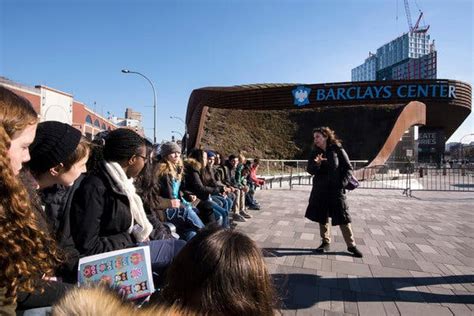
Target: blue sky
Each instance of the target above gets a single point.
(80, 46)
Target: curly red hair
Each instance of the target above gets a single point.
(27, 253)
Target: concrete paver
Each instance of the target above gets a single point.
(418, 254)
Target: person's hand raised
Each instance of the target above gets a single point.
(319, 158)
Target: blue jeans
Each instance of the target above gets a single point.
(186, 220)
(222, 211)
(249, 196)
(162, 253)
(223, 201)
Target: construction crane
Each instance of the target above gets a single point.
(417, 28)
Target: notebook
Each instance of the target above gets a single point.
(128, 270)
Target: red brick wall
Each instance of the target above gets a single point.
(33, 98)
(79, 115)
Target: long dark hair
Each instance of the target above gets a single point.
(148, 186)
(220, 272)
(198, 155)
(221, 159)
(206, 175)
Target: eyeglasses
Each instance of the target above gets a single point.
(143, 157)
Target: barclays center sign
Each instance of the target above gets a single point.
(305, 95)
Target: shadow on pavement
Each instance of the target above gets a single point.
(299, 291)
(281, 252)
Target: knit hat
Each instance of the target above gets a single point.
(53, 144)
(210, 154)
(169, 148)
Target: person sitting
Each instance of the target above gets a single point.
(194, 169)
(224, 199)
(159, 187)
(220, 272)
(254, 182)
(112, 217)
(58, 158)
(144, 183)
(239, 213)
(28, 254)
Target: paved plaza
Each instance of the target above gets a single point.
(418, 254)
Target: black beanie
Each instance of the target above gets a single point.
(53, 144)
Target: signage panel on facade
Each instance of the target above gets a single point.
(302, 97)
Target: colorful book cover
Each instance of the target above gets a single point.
(127, 269)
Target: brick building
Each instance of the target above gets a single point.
(55, 105)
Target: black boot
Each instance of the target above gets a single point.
(355, 252)
(324, 247)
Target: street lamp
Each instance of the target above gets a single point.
(186, 135)
(126, 71)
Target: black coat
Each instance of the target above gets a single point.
(57, 202)
(193, 184)
(221, 174)
(100, 215)
(328, 197)
(193, 181)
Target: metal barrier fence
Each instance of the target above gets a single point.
(410, 177)
(403, 176)
(274, 167)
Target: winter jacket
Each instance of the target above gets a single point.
(154, 206)
(100, 215)
(327, 197)
(221, 174)
(160, 231)
(193, 181)
(253, 176)
(233, 176)
(239, 178)
(57, 202)
(167, 185)
(172, 188)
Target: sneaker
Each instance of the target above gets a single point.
(254, 207)
(355, 252)
(324, 247)
(245, 214)
(238, 218)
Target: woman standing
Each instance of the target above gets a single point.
(27, 253)
(330, 167)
